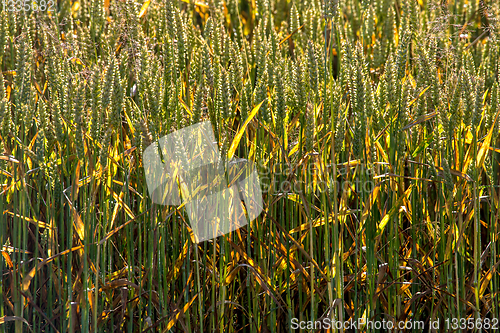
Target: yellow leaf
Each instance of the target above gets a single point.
(8, 92)
(290, 35)
(317, 223)
(251, 262)
(178, 263)
(420, 120)
(75, 7)
(185, 106)
(198, 4)
(237, 138)
(30, 220)
(129, 122)
(37, 86)
(294, 150)
(77, 61)
(118, 283)
(391, 213)
(486, 144)
(75, 187)
(119, 199)
(77, 221)
(486, 279)
(186, 307)
(263, 280)
(144, 8)
(230, 277)
(368, 207)
(10, 159)
(412, 81)
(7, 259)
(27, 278)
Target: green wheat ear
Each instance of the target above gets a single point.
(5, 118)
(246, 100)
(2, 87)
(4, 32)
(279, 100)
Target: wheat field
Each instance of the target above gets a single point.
(373, 125)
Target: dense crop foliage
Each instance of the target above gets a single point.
(374, 125)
